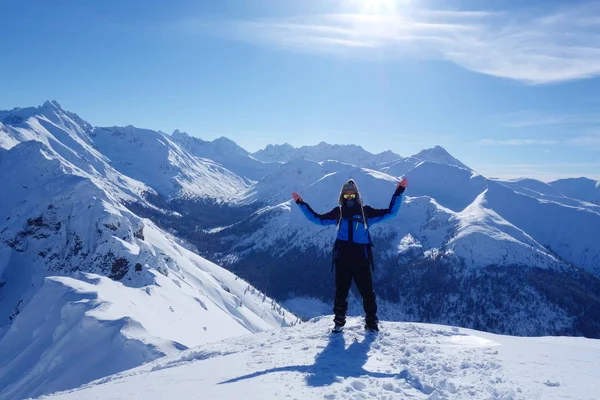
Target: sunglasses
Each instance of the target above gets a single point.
(349, 195)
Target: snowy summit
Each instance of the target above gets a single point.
(182, 266)
(404, 361)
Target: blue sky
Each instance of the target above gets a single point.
(510, 89)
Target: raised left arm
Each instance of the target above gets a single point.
(375, 215)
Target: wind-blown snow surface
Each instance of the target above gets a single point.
(175, 300)
(403, 361)
(64, 233)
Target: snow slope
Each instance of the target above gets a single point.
(482, 237)
(64, 233)
(469, 219)
(566, 227)
(119, 327)
(506, 257)
(579, 188)
(67, 138)
(399, 168)
(405, 360)
(227, 153)
(298, 174)
(570, 232)
(451, 186)
(463, 250)
(124, 156)
(155, 159)
(548, 193)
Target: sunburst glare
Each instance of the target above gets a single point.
(377, 7)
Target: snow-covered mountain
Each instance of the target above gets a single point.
(568, 226)
(106, 233)
(350, 154)
(67, 139)
(227, 153)
(80, 274)
(298, 174)
(546, 191)
(155, 159)
(579, 188)
(439, 155)
(140, 155)
(467, 229)
(404, 361)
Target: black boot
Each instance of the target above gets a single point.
(372, 324)
(339, 324)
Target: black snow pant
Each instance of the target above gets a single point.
(344, 274)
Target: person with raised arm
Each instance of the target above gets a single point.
(352, 252)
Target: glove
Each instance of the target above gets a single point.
(297, 198)
(401, 187)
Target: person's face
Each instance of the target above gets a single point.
(350, 198)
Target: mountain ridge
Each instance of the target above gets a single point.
(117, 213)
(80, 272)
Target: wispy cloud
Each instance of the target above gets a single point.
(589, 139)
(527, 119)
(542, 172)
(535, 49)
(515, 142)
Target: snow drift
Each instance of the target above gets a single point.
(405, 360)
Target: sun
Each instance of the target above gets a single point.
(377, 7)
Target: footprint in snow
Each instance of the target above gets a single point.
(358, 385)
(552, 384)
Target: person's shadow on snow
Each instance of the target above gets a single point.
(334, 362)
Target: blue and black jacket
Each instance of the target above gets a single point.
(353, 244)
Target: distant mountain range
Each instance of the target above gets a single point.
(106, 230)
(83, 276)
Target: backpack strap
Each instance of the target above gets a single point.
(362, 210)
(370, 251)
(334, 253)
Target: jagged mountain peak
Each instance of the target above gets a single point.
(323, 151)
(324, 144)
(225, 142)
(389, 152)
(50, 110)
(440, 155)
(53, 104)
(227, 153)
(287, 145)
(437, 150)
(182, 135)
(448, 211)
(177, 134)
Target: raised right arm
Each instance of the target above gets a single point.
(330, 218)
